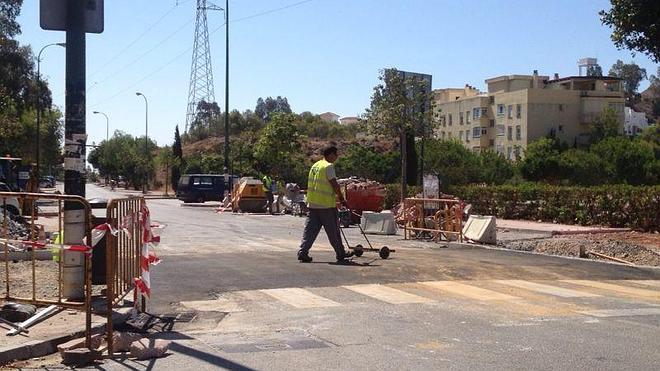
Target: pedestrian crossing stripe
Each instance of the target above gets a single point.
(622, 312)
(300, 298)
(217, 305)
(655, 283)
(617, 288)
(547, 289)
(469, 291)
(387, 294)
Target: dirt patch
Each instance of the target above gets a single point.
(20, 279)
(637, 248)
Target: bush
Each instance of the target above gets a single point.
(393, 194)
(610, 205)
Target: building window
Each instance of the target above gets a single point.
(509, 152)
(561, 108)
(500, 130)
(500, 149)
(449, 134)
(467, 135)
(460, 135)
(484, 131)
(500, 109)
(518, 132)
(467, 117)
(509, 133)
(491, 99)
(476, 113)
(518, 111)
(492, 123)
(450, 120)
(560, 128)
(484, 112)
(491, 143)
(510, 111)
(460, 118)
(516, 152)
(476, 133)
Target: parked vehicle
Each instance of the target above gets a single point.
(10, 203)
(203, 187)
(47, 182)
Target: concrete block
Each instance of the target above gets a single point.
(80, 356)
(79, 343)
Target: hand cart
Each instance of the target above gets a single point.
(383, 252)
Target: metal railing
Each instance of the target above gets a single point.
(438, 218)
(31, 212)
(123, 255)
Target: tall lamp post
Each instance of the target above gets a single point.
(38, 137)
(107, 124)
(146, 138)
(226, 167)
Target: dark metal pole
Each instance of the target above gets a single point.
(227, 86)
(74, 131)
(75, 216)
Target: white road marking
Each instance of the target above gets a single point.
(622, 312)
(655, 283)
(547, 289)
(388, 294)
(469, 291)
(617, 288)
(218, 305)
(300, 298)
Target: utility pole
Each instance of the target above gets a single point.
(226, 88)
(39, 108)
(146, 140)
(75, 148)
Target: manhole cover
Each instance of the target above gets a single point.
(265, 342)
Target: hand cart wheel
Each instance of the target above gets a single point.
(384, 252)
(358, 250)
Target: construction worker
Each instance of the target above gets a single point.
(268, 189)
(322, 187)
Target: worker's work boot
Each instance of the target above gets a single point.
(305, 258)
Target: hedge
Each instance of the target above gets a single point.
(393, 194)
(636, 207)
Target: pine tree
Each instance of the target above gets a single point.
(177, 150)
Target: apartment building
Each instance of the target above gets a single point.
(518, 109)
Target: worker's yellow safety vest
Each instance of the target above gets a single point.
(319, 191)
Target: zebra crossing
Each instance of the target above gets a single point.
(635, 297)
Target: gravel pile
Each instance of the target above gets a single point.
(570, 246)
(18, 229)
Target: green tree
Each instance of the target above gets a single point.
(124, 155)
(541, 160)
(451, 162)
(606, 125)
(631, 74)
(634, 25)
(494, 168)
(583, 167)
(177, 157)
(594, 70)
(365, 162)
(400, 105)
(626, 160)
(265, 109)
(277, 152)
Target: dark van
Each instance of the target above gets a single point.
(203, 187)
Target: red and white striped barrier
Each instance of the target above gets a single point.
(143, 283)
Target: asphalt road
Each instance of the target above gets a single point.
(427, 307)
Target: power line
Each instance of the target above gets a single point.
(189, 48)
(133, 42)
(134, 61)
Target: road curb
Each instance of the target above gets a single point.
(491, 247)
(40, 348)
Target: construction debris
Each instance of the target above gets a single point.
(17, 227)
(121, 341)
(38, 317)
(14, 312)
(80, 356)
(148, 349)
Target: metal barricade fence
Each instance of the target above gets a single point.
(123, 255)
(439, 218)
(25, 209)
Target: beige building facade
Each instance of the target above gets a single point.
(518, 109)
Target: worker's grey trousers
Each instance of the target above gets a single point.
(329, 220)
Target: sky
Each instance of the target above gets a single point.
(323, 55)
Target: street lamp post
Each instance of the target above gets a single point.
(107, 124)
(38, 136)
(146, 138)
(226, 90)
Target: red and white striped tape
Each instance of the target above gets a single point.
(143, 283)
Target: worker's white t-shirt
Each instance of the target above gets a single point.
(330, 173)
